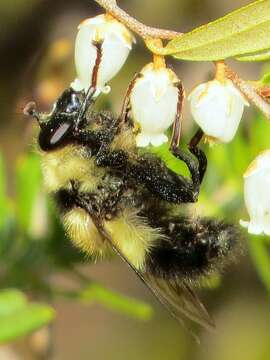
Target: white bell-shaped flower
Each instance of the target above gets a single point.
(154, 100)
(257, 195)
(217, 107)
(116, 45)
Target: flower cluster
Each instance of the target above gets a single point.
(217, 106)
(101, 49)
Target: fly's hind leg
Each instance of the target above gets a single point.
(198, 153)
(126, 103)
(177, 125)
(196, 167)
(168, 185)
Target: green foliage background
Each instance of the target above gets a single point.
(33, 246)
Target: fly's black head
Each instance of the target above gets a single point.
(58, 127)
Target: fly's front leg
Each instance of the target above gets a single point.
(89, 96)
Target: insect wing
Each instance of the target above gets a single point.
(178, 299)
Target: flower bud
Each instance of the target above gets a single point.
(116, 45)
(154, 100)
(217, 107)
(257, 195)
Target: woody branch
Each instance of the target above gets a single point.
(147, 32)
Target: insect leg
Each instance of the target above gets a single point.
(165, 183)
(88, 101)
(126, 103)
(113, 159)
(177, 125)
(200, 155)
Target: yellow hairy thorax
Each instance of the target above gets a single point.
(130, 233)
(70, 163)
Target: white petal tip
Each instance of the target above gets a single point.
(77, 85)
(255, 229)
(244, 223)
(143, 140)
(159, 140)
(106, 89)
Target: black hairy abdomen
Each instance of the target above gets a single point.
(192, 248)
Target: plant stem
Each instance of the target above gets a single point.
(220, 71)
(133, 24)
(249, 91)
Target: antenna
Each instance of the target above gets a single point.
(30, 110)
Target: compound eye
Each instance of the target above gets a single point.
(55, 135)
(60, 133)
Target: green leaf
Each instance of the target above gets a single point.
(115, 301)
(260, 256)
(265, 79)
(10, 301)
(263, 56)
(3, 196)
(24, 321)
(164, 153)
(20, 318)
(28, 179)
(242, 32)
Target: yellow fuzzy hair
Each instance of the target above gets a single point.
(125, 140)
(70, 163)
(83, 233)
(133, 236)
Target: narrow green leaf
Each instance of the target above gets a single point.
(241, 32)
(11, 301)
(28, 179)
(24, 321)
(260, 255)
(262, 56)
(115, 301)
(3, 195)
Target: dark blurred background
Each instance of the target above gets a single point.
(36, 47)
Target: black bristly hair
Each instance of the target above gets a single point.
(192, 248)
